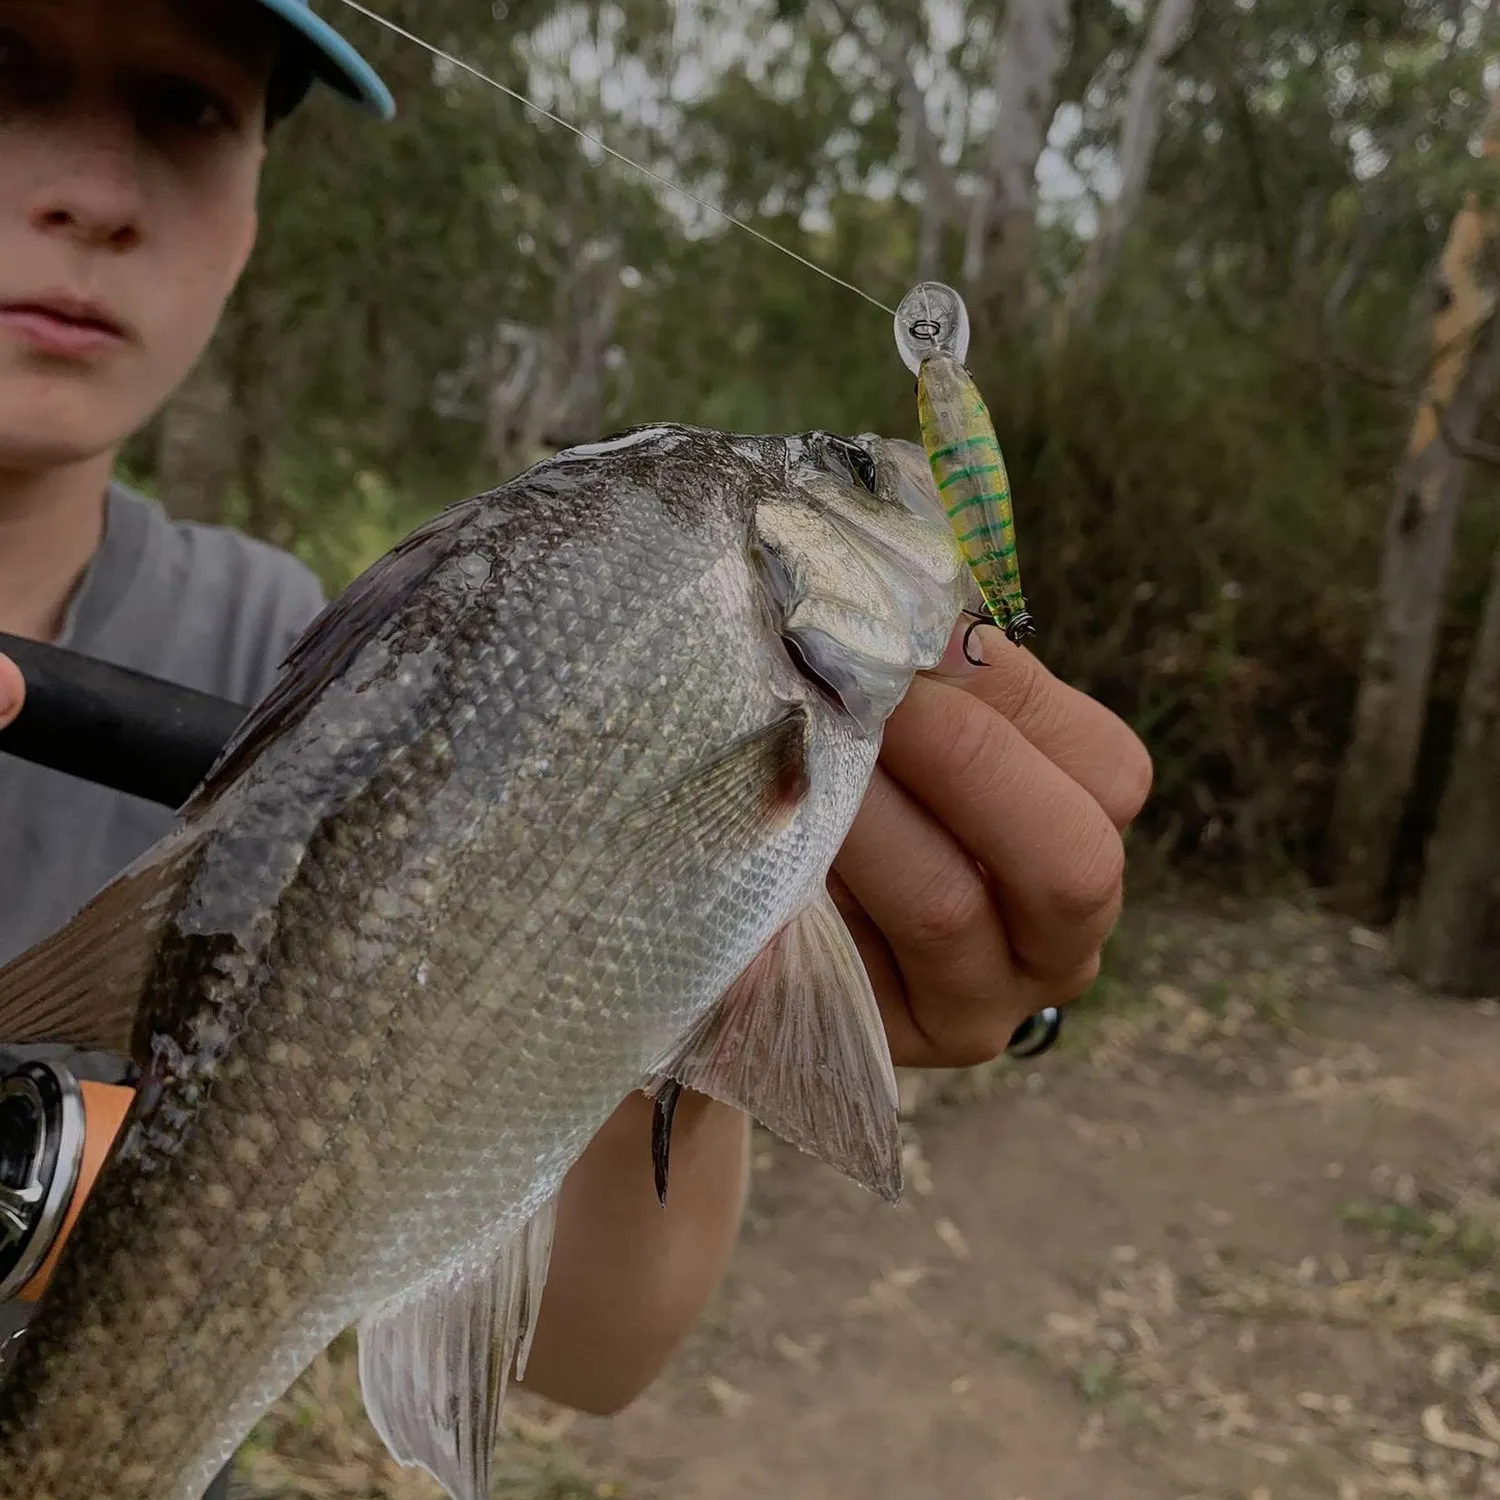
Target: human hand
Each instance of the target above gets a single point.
(12, 691)
(985, 868)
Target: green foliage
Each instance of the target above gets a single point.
(1201, 468)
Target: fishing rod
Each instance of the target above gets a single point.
(112, 726)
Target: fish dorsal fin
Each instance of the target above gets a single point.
(326, 648)
(434, 1366)
(797, 1042)
(83, 985)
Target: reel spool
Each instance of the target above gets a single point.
(55, 1134)
(42, 1132)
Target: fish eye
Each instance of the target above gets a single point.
(861, 465)
(864, 467)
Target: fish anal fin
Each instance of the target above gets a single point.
(797, 1042)
(434, 1366)
(83, 985)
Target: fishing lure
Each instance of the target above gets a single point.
(932, 335)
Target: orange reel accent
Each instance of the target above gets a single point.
(105, 1106)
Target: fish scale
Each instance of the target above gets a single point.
(435, 924)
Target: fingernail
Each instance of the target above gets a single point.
(956, 661)
(10, 698)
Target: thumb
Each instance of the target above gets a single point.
(12, 691)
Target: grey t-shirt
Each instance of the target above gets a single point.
(198, 605)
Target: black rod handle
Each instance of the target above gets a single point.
(113, 726)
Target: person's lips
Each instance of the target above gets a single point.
(62, 325)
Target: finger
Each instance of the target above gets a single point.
(950, 992)
(905, 1039)
(920, 1031)
(1094, 746)
(12, 691)
(1053, 855)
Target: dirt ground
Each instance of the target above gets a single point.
(1236, 1241)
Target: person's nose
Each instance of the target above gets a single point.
(92, 192)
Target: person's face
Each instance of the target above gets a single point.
(131, 139)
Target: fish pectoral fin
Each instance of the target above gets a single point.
(797, 1042)
(434, 1366)
(82, 986)
(732, 802)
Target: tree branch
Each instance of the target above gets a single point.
(1381, 379)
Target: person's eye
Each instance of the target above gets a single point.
(180, 105)
(15, 50)
(20, 66)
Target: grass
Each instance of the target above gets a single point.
(1469, 1245)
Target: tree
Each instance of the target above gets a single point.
(941, 200)
(1379, 765)
(1140, 126)
(1449, 938)
(1031, 51)
(1201, 473)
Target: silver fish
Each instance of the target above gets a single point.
(538, 813)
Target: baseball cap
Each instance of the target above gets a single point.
(332, 58)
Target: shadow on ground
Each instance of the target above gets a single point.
(1236, 1242)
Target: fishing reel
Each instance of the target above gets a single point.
(55, 1133)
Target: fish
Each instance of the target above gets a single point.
(538, 813)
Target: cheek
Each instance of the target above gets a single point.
(204, 240)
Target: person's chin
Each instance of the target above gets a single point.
(52, 419)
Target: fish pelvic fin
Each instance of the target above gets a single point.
(434, 1366)
(83, 985)
(797, 1042)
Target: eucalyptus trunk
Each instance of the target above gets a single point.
(1140, 128)
(1449, 939)
(1380, 762)
(1030, 53)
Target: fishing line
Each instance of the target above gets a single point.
(593, 140)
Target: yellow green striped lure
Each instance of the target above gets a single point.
(932, 334)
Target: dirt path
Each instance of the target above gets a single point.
(1238, 1243)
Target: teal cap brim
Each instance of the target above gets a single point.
(335, 61)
